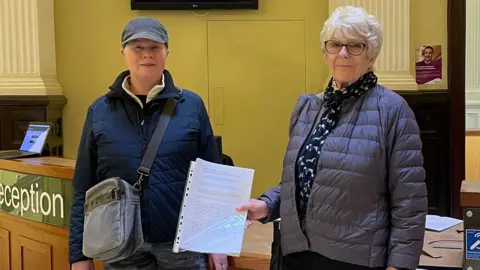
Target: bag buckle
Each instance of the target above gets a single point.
(115, 194)
(141, 175)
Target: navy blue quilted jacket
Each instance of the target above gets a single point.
(113, 142)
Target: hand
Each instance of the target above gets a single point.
(217, 261)
(392, 268)
(83, 265)
(257, 209)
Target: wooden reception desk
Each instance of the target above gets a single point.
(35, 201)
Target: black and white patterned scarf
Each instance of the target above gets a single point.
(309, 154)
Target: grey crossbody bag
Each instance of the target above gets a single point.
(113, 224)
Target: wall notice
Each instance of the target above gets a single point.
(428, 64)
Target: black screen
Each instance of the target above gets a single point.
(192, 1)
(193, 4)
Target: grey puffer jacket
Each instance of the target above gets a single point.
(368, 202)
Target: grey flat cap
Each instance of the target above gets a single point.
(143, 27)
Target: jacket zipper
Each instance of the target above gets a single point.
(143, 194)
(144, 184)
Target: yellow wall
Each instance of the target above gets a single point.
(428, 24)
(472, 158)
(88, 59)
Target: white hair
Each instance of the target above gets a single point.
(354, 23)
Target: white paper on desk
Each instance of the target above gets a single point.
(438, 223)
(208, 220)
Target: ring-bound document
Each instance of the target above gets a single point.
(208, 220)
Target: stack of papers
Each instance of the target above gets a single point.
(209, 222)
(438, 223)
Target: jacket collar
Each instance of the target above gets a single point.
(151, 94)
(169, 90)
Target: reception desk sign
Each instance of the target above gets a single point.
(24, 200)
(39, 198)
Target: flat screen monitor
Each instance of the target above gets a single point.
(193, 4)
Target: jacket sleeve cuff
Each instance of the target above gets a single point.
(73, 258)
(273, 211)
(401, 261)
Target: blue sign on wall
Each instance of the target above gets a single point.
(472, 244)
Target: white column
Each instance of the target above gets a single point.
(27, 48)
(393, 64)
(472, 69)
(472, 65)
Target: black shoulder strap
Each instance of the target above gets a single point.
(152, 149)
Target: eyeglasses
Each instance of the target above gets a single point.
(353, 48)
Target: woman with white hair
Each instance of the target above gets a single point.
(352, 193)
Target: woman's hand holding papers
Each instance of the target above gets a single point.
(257, 209)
